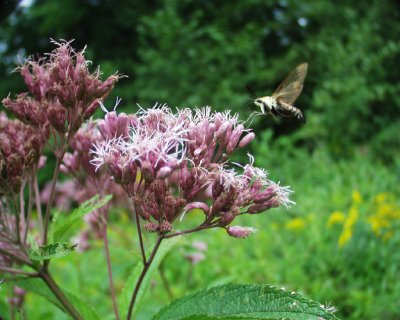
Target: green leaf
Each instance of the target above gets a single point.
(244, 301)
(61, 227)
(39, 287)
(49, 251)
(3, 308)
(127, 290)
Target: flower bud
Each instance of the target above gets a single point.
(257, 208)
(246, 139)
(147, 171)
(265, 195)
(165, 227)
(222, 129)
(226, 219)
(217, 187)
(240, 232)
(197, 205)
(151, 227)
(234, 138)
(164, 172)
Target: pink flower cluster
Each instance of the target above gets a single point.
(87, 182)
(171, 163)
(20, 149)
(63, 92)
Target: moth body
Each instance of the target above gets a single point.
(280, 103)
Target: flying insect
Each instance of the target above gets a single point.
(280, 103)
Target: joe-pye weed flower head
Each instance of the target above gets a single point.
(171, 163)
(63, 93)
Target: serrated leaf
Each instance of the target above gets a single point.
(61, 227)
(244, 301)
(38, 286)
(127, 290)
(49, 251)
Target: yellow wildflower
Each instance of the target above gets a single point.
(337, 217)
(348, 226)
(345, 237)
(381, 197)
(295, 224)
(356, 196)
(378, 224)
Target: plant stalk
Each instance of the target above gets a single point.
(47, 278)
(139, 230)
(109, 270)
(51, 198)
(143, 274)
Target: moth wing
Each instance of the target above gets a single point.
(290, 88)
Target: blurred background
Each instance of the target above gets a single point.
(338, 244)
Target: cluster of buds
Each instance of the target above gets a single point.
(170, 164)
(87, 183)
(20, 149)
(214, 136)
(63, 91)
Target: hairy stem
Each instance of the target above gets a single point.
(47, 278)
(143, 274)
(109, 270)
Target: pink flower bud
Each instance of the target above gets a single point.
(147, 171)
(210, 133)
(151, 227)
(226, 219)
(165, 227)
(234, 138)
(197, 205)
(257, 208)
(240, 232)
(265, 195)
(164, 172)
(246, 139)
(222, 129)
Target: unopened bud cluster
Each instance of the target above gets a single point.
(171, 163)
(62, 91)
(20, 149)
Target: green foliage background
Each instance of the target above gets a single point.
(195, 53)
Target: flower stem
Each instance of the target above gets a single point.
(17, 258)
(109, 270)
(28, 216)
(143, 274)
(47, 278)
(139, 230)
(38, 205)
(16, 271)
(51, 198)
(179, 233)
